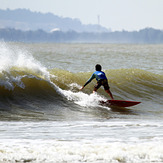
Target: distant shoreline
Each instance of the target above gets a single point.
(147, 36)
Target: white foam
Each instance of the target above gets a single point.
(12, 57)
(83, 99)
(82, 141)
(72, 152)
(21, 58)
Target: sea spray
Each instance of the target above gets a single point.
(84, 99)
(16, 64)
(12, 58)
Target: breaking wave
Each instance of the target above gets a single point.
(25, 82)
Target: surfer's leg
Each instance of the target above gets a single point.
(107, 88)
(94, 90)
(110, 94)
(97, 86)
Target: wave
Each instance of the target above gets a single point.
(124, 83)
(132, 84)
(26, 83)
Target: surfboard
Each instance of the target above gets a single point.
(119, 103)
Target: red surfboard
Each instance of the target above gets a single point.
(119, 103)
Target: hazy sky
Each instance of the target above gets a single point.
(115, 14)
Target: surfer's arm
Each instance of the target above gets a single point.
(89, 80)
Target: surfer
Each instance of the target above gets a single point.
(101, 80)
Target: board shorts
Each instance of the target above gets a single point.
(102, 82)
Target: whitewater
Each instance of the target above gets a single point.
(45, 118)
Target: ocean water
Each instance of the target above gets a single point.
(45, 118)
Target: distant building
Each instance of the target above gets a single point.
(55, 30)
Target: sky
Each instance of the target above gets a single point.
(118, 15)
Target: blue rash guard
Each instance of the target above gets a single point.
(98, 75)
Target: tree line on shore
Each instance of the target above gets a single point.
(147, 35)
